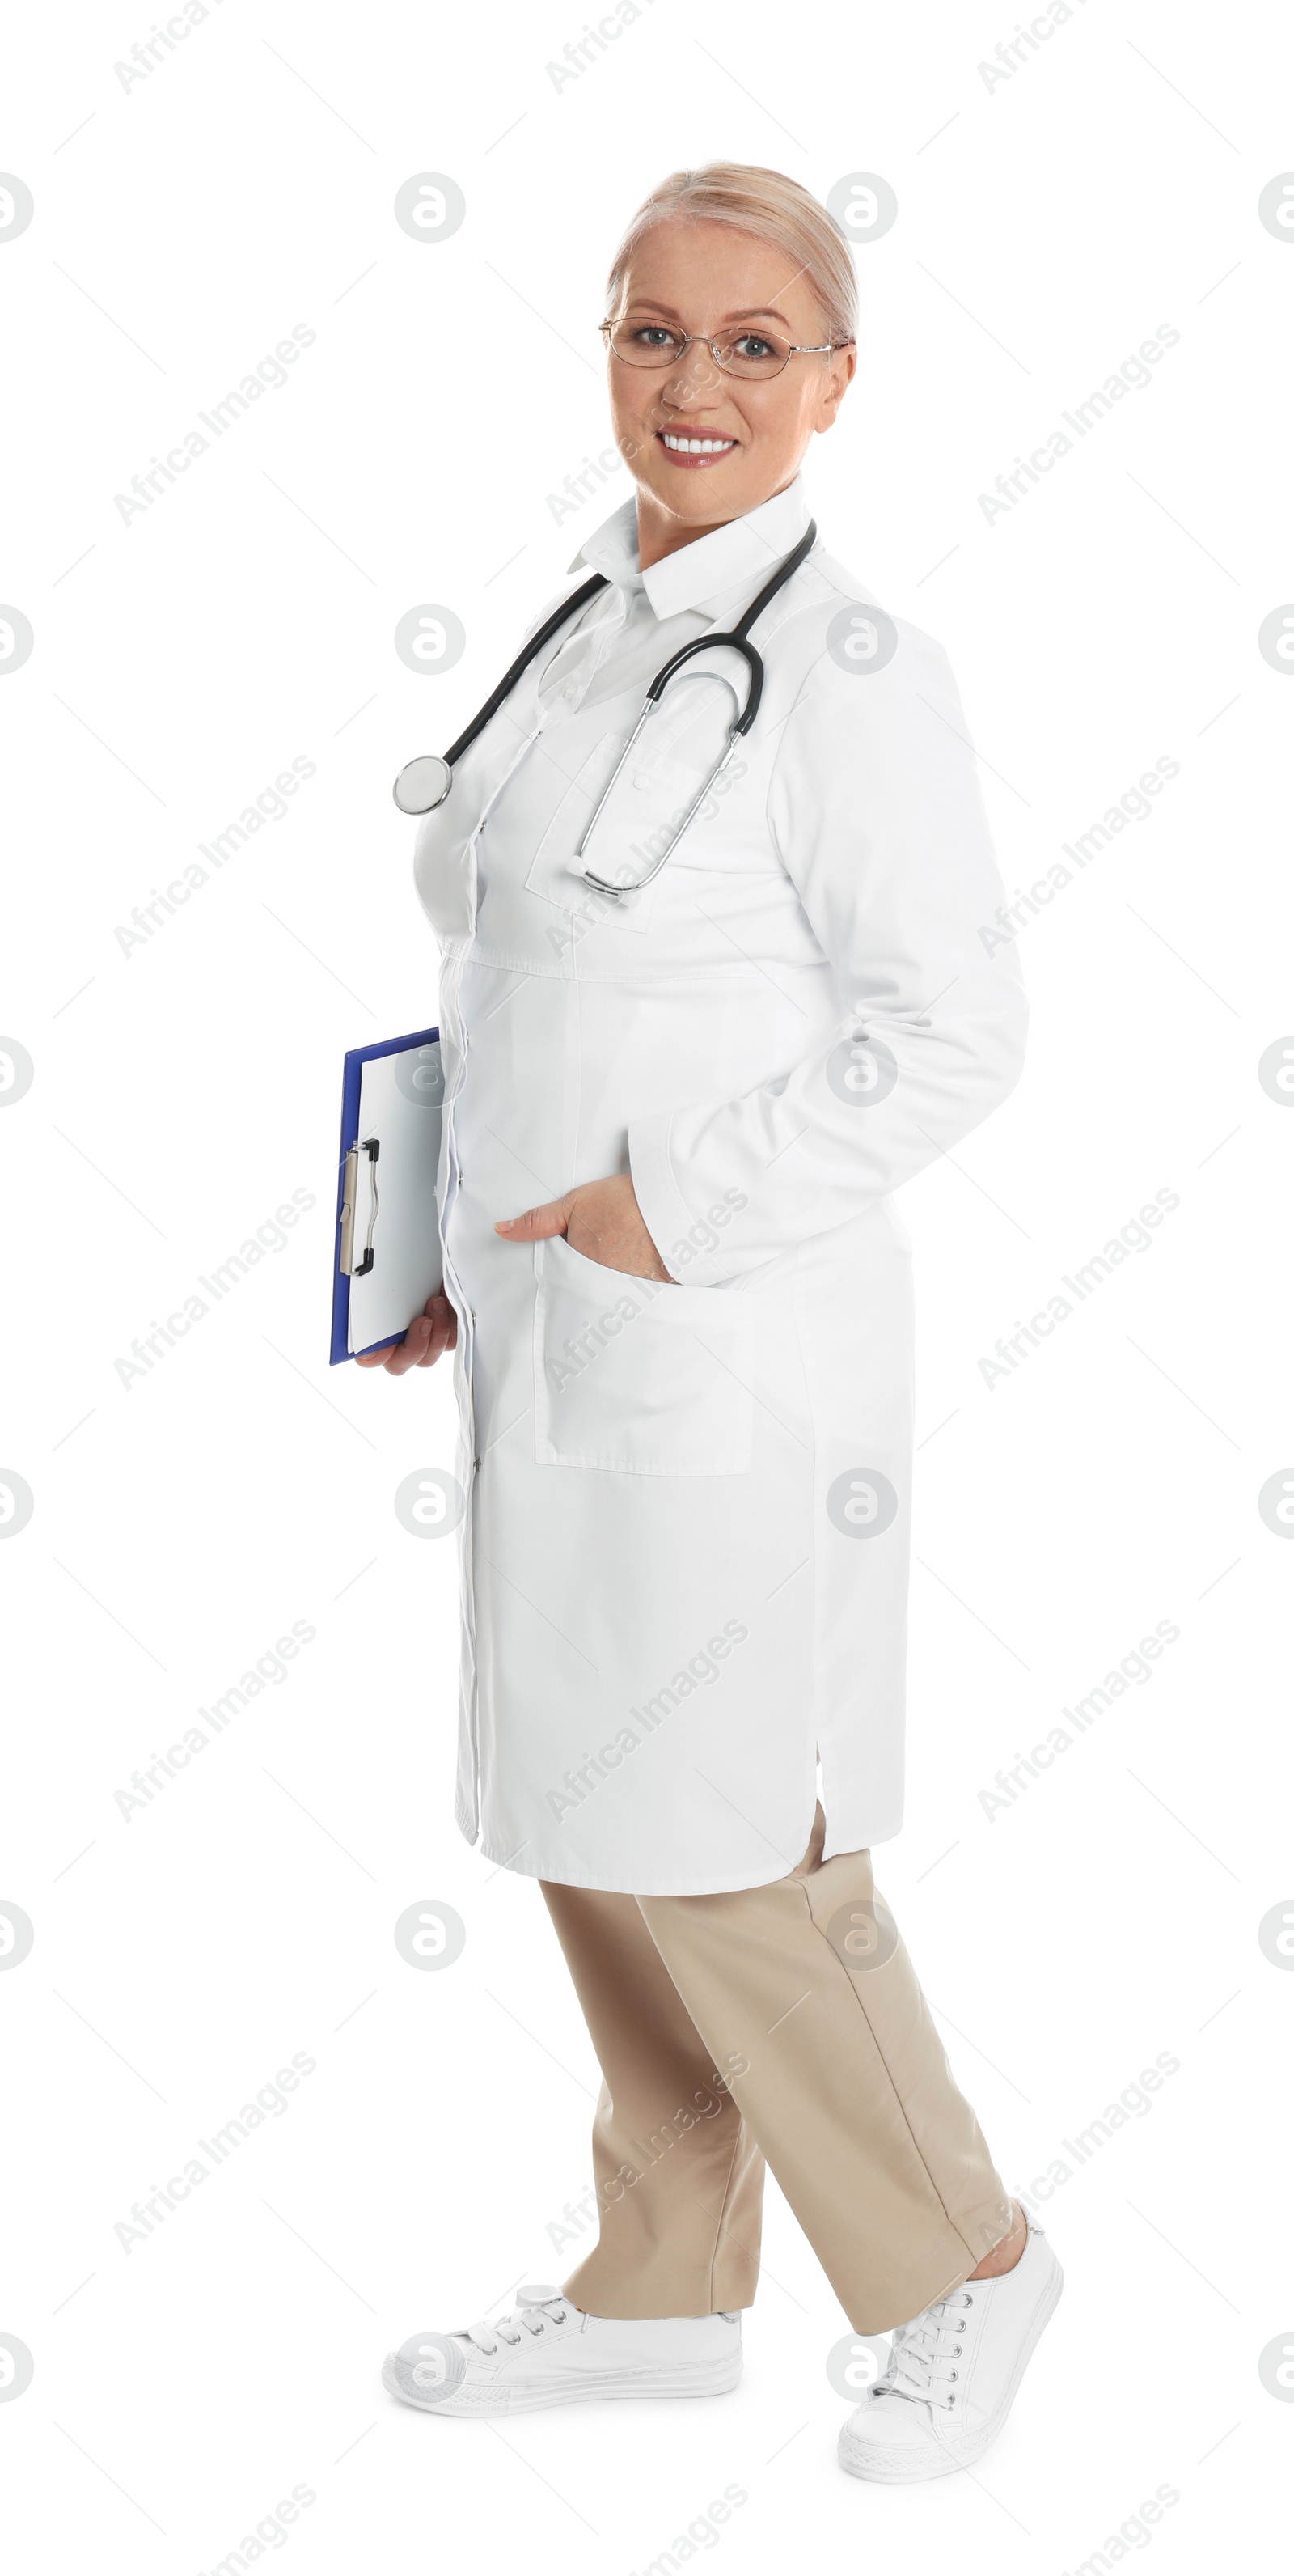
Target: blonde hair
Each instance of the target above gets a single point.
(771, 207)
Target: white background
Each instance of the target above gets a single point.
(184, 1089)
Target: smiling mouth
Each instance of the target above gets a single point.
(693, 451)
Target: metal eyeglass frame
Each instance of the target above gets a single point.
(699, 339)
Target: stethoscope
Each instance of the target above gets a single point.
(424, 783)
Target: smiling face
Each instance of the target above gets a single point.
(704, 445)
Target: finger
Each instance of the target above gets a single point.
(444, 1328)
(536, 1222)
(406, 1354)
(443, 1337)
(434, 1339)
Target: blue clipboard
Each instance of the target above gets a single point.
(386, 1242)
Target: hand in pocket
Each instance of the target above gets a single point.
(601, 1219)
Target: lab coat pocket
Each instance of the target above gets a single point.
(556, 874)
(639, 1376)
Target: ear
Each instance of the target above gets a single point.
(839, 376)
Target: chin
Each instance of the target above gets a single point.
(704, 497)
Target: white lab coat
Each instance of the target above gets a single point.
(685, 1547)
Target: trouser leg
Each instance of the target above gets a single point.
(679, 2177)
(846, 2085)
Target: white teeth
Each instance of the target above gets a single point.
(697, 446)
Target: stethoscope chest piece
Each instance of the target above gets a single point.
(423, 784)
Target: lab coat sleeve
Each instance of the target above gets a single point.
(875, 811)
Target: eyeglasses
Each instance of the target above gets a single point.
(643, 343)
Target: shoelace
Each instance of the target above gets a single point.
(921, 2352)
(531, 2317)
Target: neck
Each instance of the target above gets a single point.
(661, 534)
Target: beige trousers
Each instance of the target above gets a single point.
(780, 2023)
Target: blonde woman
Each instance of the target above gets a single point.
(712, 987)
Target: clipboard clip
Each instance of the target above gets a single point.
(349, 1267)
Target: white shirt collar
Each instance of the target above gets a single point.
(745, 549)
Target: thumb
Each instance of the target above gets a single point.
(536, 1222)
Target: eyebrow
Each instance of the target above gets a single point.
(745, 312)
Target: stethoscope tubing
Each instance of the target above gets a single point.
(578, 599)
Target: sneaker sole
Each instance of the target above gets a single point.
(712, 2382)
(895, 2469)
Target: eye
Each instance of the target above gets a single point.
(651, 335)
(753, 344)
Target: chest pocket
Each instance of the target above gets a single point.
(698, 744)
(555, 872)
(682, 742)
(643, 1379)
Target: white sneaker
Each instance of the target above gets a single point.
(544, 2352)
(952, 2374)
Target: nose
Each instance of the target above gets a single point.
(694, 375)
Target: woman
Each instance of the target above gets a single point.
(685, 1373)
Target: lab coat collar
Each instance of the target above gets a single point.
(743, 550)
